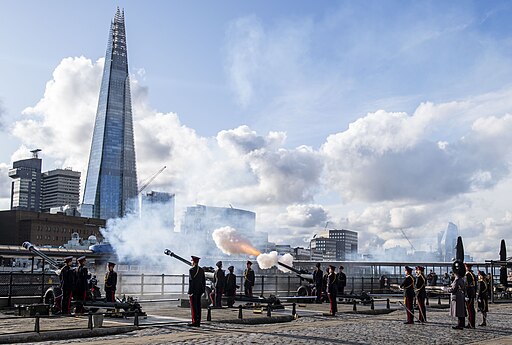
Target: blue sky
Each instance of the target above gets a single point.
(371, 85)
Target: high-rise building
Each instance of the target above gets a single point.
(26, 184)
(346, 244)
(111, 176)
(447, 240)
(323, 247)
(60, 187)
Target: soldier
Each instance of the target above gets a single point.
(110, 283)
(421, 292)
(67, 282)
(408, 286)
(249, 279)
(457, 308)
(317, 279)
(219, 279)
(470, 295)
(196, 288)
(332, 290)
(342, 281)
(483, 296)
(81, 275)
(230, 286)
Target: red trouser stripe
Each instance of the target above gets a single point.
(192, 310)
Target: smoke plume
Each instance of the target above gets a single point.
(268, 260)
(231, 242)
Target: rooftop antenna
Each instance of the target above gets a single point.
(34, 153)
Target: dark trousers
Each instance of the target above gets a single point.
(66, 301)
(195, 308)
(318, 293)
(422, 309)
(470, 304)
(230, 294)
(248, 290)
(110, 295)
(216, 297)
(461, 322)
(341, 291)
(410, 309)
(80, 297)
(333, 302)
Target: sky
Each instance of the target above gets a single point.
(365, 115)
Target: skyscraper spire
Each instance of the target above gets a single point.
(111, 174)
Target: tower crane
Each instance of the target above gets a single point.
(145, 184)
(407, 238)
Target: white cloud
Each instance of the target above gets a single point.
(305, 216)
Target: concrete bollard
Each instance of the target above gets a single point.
(354, 307)
(387, 304)
(439, 300)
(269, 311)
(240, 316)
(209, 314)
(136, 320)
(294, 310)
(37, 328)
(372, 306)
(89, 324)
(426, 302)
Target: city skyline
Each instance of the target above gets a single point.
(373, 117)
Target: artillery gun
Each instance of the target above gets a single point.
(308, 289)
(53, 295)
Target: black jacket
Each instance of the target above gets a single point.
(408, 286)
(81, 275)
(196, 281)
(421, 282)
(249, 277)
(318, 277)
(342, 279)
(230, 283)
(219, 279)
(332, 283)
(470, 284)
(111, 281)
(67, 278)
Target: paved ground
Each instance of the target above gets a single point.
(312, 327)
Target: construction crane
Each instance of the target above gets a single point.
(145, 184)
(407, 238)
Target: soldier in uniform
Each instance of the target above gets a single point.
(230, 286)
(81, 275)
(318, 280)
(408, 286)
(457, 289)
(196, 288)
(421, 292)
(219, 280)
(110, 283)
(332, 289)
(342, 281)
(249, 279)
(470, 295)
(67, 282)
(483, 296)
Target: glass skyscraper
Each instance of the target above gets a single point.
(112, 176)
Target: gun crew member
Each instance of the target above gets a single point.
(231, 286)
(483, 296)
(110, 283)
(196, 288)
(219, 279)
(470, 295)
(82, 276)
(408, 286)
(318, 280)
(249, 279)
(67, 284)
(421, 292)
(332, 289)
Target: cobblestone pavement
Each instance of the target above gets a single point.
(313, 327)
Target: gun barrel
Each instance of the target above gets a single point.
(29, 246)
(176, 256)
(306, 276)
(289, 267)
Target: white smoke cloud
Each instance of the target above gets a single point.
(269, 260)
(231, 242)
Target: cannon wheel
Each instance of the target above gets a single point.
(50, 297)
(302, 291)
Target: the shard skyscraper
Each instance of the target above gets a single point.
(112, 175)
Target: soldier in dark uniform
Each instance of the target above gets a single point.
(219, 280)
(81, 275)
(67, 282)
(230, 286)
(196, 288)
(408, 286)
(332, 290)
(342, 281)
(318, 280)
(421, 292)
(249, 279)
(483, 296)
(457, 289)
(470, 296)
(111, 283)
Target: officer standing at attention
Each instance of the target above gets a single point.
(230, 288)
(342, 281)
(67, 282)
(82, 276)
(408, 286)
(110, 283)
(332, 289)
(219, 279)
(421, 292)
(470, 295)
(483, 296)
(317, 278)
(249, 279)
(196, 288)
